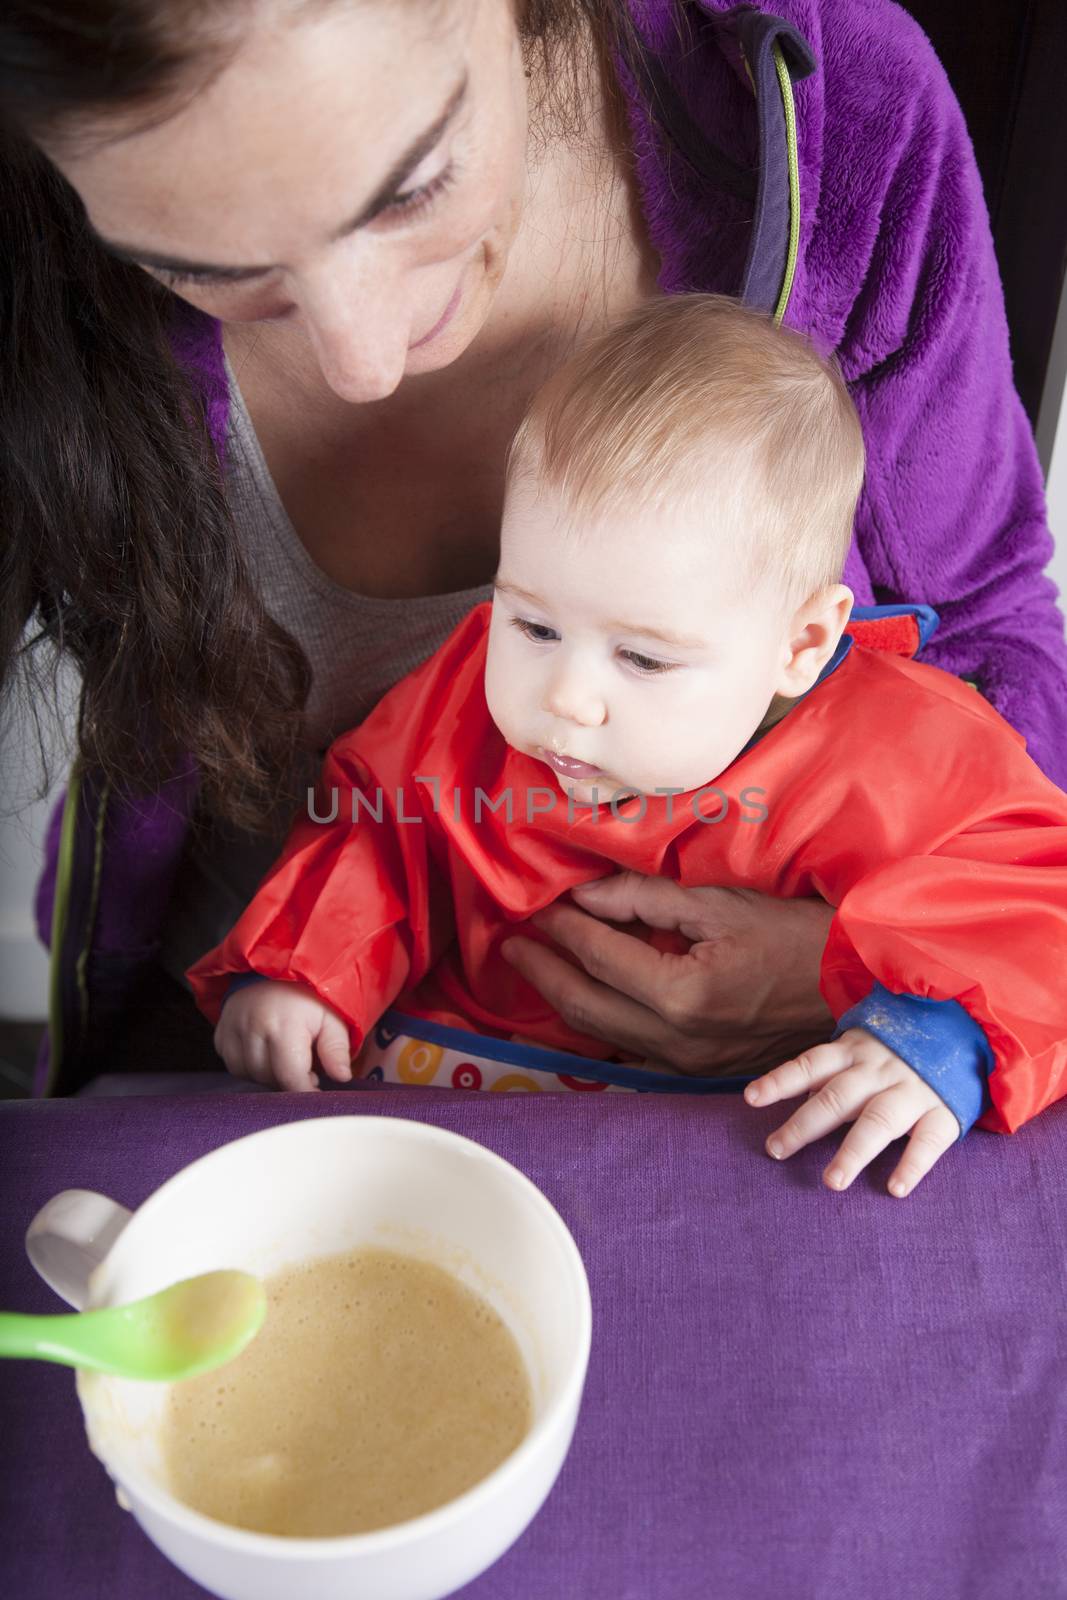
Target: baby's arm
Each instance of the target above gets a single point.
(273, 1033)
(343, 916)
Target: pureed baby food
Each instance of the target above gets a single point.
(379, 1388)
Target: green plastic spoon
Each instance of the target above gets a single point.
(189, 1328)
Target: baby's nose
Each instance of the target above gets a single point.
(573, 700)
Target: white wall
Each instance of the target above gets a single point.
(1052, 445)
(23, 963)
(1057, 506)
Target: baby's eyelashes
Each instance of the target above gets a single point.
(647, 664)
(539, 632)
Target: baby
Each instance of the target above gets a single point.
(664, 683)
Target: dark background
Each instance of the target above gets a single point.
(1007, 61)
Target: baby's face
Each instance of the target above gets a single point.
(623, 651)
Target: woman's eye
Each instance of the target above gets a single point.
(178, 280)
(647, 664)
(415, 200)
(537, 631)
(402, 205)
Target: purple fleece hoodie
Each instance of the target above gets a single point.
(895, 273)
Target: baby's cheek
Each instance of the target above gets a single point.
(498, 698)
(670, 755)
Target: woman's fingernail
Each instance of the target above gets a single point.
(505, 949)
(775, 1149)
(898, 1187)
(836, 1178)
(752, 1094)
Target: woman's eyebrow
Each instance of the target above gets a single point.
(408, 161)
(384, 195)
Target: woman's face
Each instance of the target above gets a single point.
(358, 173)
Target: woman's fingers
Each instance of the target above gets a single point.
(620, 960)
(605, 1012)
(932, 1135)
(658, 902)
(584, 1004)
(741, 996)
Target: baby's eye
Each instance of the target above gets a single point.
(646, 664)
(537, 631)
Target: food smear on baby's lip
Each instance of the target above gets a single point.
(379, 1388)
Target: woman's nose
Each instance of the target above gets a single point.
(572, 696)
(359, 327)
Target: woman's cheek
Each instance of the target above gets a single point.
(226, 306)
(489, 213)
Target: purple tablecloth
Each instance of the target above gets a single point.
(792, 1393)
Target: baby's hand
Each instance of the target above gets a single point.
(271, 1032)
(858, 1077)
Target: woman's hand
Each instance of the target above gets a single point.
(745, 996)
(858, 1079)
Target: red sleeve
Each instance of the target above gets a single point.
(981, 920)
(354, 907)
(345, 910)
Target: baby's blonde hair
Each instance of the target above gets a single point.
(696, 396)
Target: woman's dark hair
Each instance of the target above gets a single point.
(115, 540)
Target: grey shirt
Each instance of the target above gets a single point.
(358, 647)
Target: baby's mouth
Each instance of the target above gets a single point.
(568, 767)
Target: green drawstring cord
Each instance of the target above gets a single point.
(785, 84)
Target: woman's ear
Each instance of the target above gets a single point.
(811, 639)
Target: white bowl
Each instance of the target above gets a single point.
(314, 1188)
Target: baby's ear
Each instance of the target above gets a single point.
(811, 638)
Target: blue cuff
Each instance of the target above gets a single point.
(938, 1039)
(242, 980)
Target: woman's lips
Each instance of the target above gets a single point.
(568, 767)
(445, 318)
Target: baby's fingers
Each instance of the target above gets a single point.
(805, 1072)
(885, 1117)
(932, 1135)
(245, 1056)
(290, 1060)
(332, 1048)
